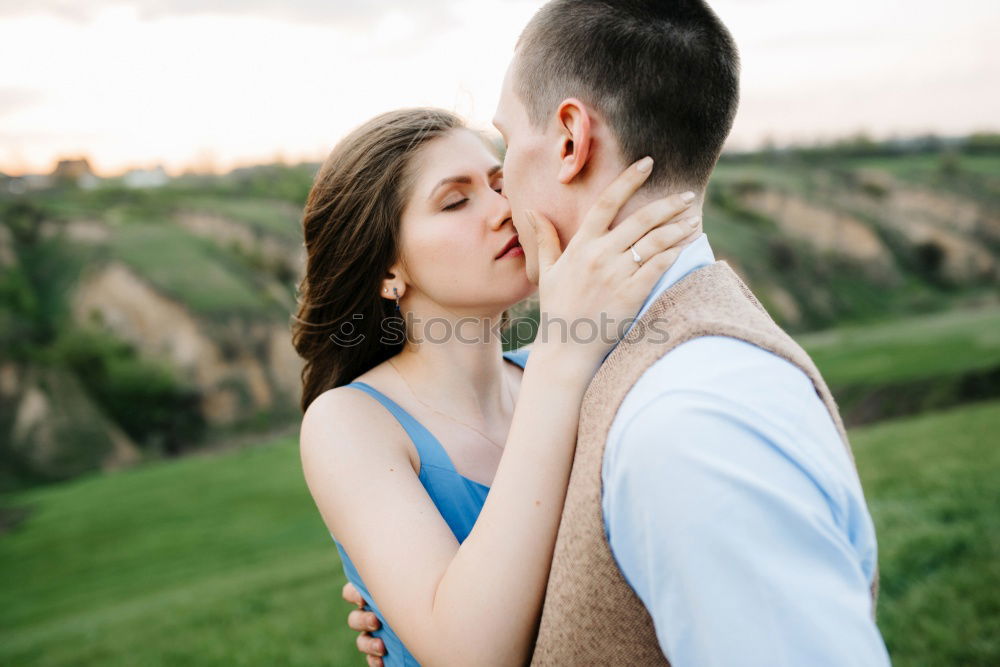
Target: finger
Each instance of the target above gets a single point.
(613, 197)
(653, 268)
(352, 594)
(549, 247)
(362, 620)
(663, 237)
(369, 645)
(374, 662)
(653, 214)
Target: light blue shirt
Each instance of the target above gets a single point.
(745, 533)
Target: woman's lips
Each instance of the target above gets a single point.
(512, 242)
(515, 251)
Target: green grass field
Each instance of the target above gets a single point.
(931, 485)
(223, 559)
(914, 348)
(267, 217)
(975, 175)
(211, 560)
(910, 365)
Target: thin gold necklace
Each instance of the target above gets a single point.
(447, 416)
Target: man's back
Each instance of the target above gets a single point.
(734, 511)
(714, 462)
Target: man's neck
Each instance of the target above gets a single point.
(695, 255)
(642, 198)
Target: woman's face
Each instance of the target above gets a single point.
(455, 225)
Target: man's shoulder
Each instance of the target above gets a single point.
(731, 380)
(724, 366)
(731, 383)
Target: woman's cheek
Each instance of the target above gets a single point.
(447, 249)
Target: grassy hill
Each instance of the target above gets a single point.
(828, 238)
(170, 307)
(191, 286)
(223, 559)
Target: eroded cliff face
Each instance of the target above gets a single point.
(57, 430)
(826, 229)
(238, 367)
(955, 228)
(958, 226)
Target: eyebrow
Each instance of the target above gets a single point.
(463, 179)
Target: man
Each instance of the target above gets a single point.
(714, 515)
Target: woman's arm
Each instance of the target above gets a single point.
(504, 563)
(478, 601)
(449, 603)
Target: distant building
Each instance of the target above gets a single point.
(145, 178)
(20, 184)
(75, 172)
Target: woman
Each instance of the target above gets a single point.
(450, 535)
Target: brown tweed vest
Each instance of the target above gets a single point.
(591, 616)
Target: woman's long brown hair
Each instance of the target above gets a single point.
(351, 225)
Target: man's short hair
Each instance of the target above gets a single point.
(664, 75)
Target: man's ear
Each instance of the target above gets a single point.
(575, 138)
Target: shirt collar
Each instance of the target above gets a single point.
(695, 255)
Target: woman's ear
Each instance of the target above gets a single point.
(575, 138)
(394, 278)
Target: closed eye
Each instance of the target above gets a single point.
(458, 204)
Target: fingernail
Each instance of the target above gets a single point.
(687, 197)
(693, 222)
(645, 164)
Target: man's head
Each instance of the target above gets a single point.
(595, 85)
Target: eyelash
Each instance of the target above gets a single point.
(452, 207)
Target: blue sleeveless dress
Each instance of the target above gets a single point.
(458, 499)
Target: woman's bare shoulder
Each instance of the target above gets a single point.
(345, 421)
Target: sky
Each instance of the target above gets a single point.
(214, 84)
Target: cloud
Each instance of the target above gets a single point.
(15, 98)
(299, 11)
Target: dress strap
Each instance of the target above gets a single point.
(429, 448)
(519, 356)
